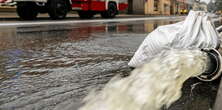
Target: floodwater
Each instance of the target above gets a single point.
(55, 66)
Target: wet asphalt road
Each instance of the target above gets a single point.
(46, 67)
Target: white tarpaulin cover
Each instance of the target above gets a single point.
(196, 31)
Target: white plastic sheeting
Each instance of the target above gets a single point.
(196, 31)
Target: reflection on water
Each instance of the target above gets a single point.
(50, 67)
(23, 49)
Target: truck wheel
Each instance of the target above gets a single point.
(57, 9)
(85, 14)
(27, 10)
(111, 12)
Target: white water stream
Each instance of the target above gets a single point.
(152, 86)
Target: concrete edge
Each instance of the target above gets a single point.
(57, 22)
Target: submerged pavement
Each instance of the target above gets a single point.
(53, 67)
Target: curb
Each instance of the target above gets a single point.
(77, 21)
(7, 9)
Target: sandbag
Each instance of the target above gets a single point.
(196, 31)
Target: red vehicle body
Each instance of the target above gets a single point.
(2, 1)
(57, 9)
(96, 5)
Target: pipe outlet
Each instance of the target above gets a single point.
(214, 68)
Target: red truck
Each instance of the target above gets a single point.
(2, 1)
(58, 9)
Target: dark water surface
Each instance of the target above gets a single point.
(55, 66)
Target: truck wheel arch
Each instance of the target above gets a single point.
(112, 1)
(69, 2)
(111, 12)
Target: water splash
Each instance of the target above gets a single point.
(152, 86)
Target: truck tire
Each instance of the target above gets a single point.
(57, 9)
(85, 14)
(111, 12)
(27, 10)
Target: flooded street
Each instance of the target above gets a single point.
(53, 67)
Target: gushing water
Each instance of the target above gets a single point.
(152, 86)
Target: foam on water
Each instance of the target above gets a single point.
(152, 86)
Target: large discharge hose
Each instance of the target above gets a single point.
(214, 68)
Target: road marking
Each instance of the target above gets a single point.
(57, 22)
